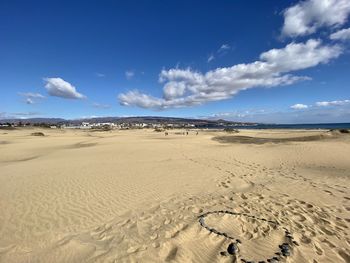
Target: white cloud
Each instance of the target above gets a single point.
(59, 88)
(29, 101)
(134, 97)
(224, 47)
(187, 87)
(101, 106)
(210, 58)
(343, 34)
(296, 56)
(129, 74)
(299, 106)
(312, 114)
(237, 114)
(100, 75)
(31, 98)
(332, 103)
(31, 95)
(89, 117)
(307, 16)
(20, 115)
(220, 52)
(25, 114)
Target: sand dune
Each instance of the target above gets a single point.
(139, 196)
(262, 140)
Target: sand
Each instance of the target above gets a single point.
(139, 196)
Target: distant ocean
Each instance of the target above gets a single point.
(298, 126)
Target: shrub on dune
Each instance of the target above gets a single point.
(38, 134)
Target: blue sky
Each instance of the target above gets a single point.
(266, 61)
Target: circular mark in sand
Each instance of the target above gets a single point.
(284, 245)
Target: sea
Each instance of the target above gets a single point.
(313, 126)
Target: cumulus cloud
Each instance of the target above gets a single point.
(60, 88)
(185, 87)
(307, 16)
(101, 106)
(129, 74)
(31, 98)
(332, 103)
(299, 106)
(135, 98)
(343, 34)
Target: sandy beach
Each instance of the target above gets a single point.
(141, 196)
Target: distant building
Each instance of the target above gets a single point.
(85, 125)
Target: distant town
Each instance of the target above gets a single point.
(109, 123)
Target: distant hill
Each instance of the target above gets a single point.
(34, 120)
(141, 119)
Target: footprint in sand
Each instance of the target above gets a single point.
(132, 249)
(168, 252)
(344, 255)
(318, 249)
(249, 233)
(305, 240)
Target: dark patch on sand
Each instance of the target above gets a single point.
(23, 159)
(340, 130)
(8, 128)
(37, 134)
(81, 145)
(28, 158)
(259, 140)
